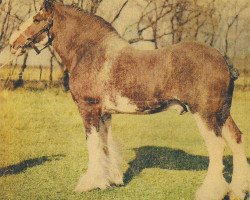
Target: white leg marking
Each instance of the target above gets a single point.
(241, 172)
(104, 160)
(97, 173)
(116, 176)
(214, 186)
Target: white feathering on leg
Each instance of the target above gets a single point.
(97, 173)
(214, 186)
(240, 184)
(116, 176)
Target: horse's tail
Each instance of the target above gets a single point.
(234, 73)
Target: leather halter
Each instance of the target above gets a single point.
(32, 40)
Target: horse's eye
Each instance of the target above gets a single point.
(36, 21)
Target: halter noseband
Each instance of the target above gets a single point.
(32, 40)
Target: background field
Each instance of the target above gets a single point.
(43, 150)
(36, 78)
(42, 141)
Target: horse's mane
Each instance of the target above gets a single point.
(75, 10)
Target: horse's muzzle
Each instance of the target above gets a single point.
(17, 52)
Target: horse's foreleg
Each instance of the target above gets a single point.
(116, 176)
(241, 172)
(214, 186)
(97, 175)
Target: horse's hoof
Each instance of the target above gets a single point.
(232, 196)
(117, 179)
(240, 186)
(237, 195)
(89, 182)
(212, 190)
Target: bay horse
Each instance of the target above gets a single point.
(109, 76)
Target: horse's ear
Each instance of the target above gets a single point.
(48, 5)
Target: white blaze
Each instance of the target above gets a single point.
(23, 27)
(21, 31)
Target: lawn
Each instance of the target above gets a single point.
(43, 150)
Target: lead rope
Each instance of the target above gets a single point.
(10, 59)
(8, 62)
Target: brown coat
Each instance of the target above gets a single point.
(190, 74)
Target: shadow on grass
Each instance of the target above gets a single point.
(24, 165)
(172, 159)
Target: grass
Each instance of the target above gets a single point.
(43, 150)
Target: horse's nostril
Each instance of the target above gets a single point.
(11, 47)
(13, 51)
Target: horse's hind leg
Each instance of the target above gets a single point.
(241, 172)
(214, 186)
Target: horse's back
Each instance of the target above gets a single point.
(190, 72)
(185, 64)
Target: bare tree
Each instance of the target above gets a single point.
(233, 22)
(165, 22)
(165, 18)
(119, 12)
(9, 21)
(5, 18)
(152, 17)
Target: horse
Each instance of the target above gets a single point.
(109, 76)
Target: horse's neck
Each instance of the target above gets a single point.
(75, 34)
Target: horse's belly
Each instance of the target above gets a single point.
(119, 104)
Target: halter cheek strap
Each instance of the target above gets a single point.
(32, 40)
(28, 43)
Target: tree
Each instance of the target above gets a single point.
(165, 22)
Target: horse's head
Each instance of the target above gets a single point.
(35, 31)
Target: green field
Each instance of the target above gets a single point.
(43, 150)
